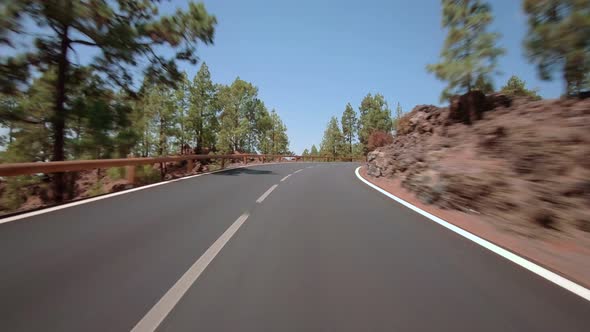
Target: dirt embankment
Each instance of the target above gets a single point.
(24, 193)
(522, 165)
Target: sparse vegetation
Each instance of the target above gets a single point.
(516, 87)
(116, 173)
(379, 139)
(14, 192)
(96, 189)
(146, 174)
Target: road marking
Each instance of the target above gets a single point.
(265, 195)
(286, 177)
(297, 171)
(160, 310)
(536, 269)
(128, 191)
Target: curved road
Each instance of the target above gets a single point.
(320, 252)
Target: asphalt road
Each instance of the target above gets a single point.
(321, 252)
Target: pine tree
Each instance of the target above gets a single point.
(314, 151)
(349, 126)
(559, 40)
(375, 116)
(263, 125)
(516, 87)
(333, 141)
(469, 53)
(123, 33)
(254, 111)
(305, 153)
(203, 113)
(159, 103)
(278, 135)
(234, 102)
(182, 103)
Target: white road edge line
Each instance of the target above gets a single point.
(160, 310)
(265, 195)
(536, 269)
(297, 171)
(286, 177)
(94, 199)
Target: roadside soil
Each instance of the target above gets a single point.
(99, 182)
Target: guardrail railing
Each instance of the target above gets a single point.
(16, 169)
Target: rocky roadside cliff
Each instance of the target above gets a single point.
(523, 163)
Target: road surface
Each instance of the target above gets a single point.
(320, 252)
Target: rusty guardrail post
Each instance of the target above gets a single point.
(130, 174)
(245, 160)
(222, 163)
(189, 165)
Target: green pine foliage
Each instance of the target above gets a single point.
(349, 127)
(517, 87)
(314, 151)
(558, 40)
(351, 137)
(375, 116)
(333, 140)
(203, 120)
(469, 54)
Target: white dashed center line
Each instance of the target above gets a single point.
(265, 195)
(285, 178)
(160, 310)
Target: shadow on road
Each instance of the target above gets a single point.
(239, 171)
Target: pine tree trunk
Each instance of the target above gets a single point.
(200, 142)
(59, 117)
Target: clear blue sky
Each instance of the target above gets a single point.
(309, 58)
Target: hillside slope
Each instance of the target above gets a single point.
(524, 165)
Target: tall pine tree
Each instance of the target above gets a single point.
(469, 54)
(375, 116)
(314, 151)
(203, 112)
(234, 101)
(349, 126)
(333, 141)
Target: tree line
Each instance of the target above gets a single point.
(199, 116)
(193, 116)
(130, 98)
(358, 133)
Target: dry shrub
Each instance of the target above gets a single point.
(378, 139)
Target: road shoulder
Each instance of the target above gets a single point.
(570, 262)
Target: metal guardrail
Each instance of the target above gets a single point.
(82, 165)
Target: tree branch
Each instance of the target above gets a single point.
(83, 42)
